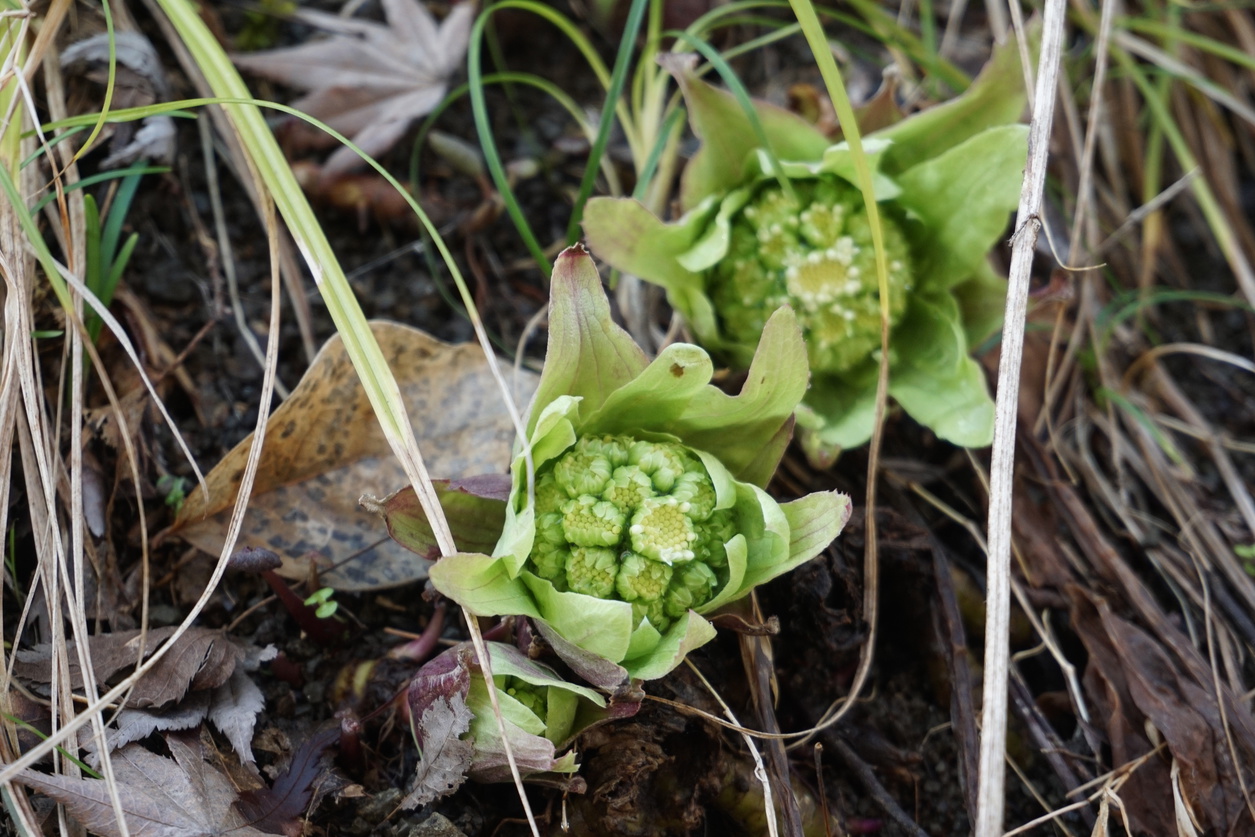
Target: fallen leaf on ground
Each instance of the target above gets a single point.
(436, 700)
(201, 659)
(370, 81)
(205, 676)
(445, 757)
(180, 797)
(324, 450)
(278, 809)
(1136, 684)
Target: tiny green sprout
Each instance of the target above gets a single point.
(1247, 553)
(323, 602)
(175, 491)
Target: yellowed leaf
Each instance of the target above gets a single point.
(324, 450)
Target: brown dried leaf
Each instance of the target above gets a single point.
(277, 809)
(1146, 791)
(204, 676)
(183, 797)
(1136, 681)
(324, 450)
(435, 703)
(368, 80)
(201, 659)
(1187, 716)
(445, 757)
(233, 710)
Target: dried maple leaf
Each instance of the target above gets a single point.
(278, 809)
(231, 707)
(370, 81)
(201, 659)
(183, 797)
(204, 676)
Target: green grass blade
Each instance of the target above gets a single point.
(487, 142)
(1143, 420)
(117, 115)
(31, 728)
(112, 231)
(743, 99)
(1226, 237)
(45, 147)
(670, 127)
(617, 78)
(542, 84)
(99, 177)
(109, 82)
(110, 284)
(1174, 31)
(483, 125)
(91, 232)
(1134, 302)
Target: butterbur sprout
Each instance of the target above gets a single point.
(456, 728)
(648, 508)
(787, 225)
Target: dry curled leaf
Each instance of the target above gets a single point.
(204, 677)
(370, 81)
(445, 757)
(201, 659)
(139, 80)
(180, 797)
(439, 717)
(278, 809)
(324, 450)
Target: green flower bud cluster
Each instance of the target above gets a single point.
(633, 520)
(535, 698)
(812, 251)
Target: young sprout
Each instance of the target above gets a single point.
(787, 224)
(323, 602)
(540, 710)
(648, 509)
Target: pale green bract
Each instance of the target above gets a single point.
(945, 180)
(647, 508)
(541, 713)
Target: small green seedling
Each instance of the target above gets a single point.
(323, 602)
(1247, 553)
(107, 254)
(175, 491)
